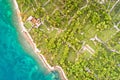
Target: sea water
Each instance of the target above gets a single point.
(16, 63)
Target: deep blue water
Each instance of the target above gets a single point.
(16, 63)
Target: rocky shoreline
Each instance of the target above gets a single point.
(33, 45)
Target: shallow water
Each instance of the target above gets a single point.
(16, 63)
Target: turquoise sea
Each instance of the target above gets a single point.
(16, 61)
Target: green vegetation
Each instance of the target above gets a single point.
(82, 36)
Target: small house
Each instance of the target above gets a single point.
(35, 22)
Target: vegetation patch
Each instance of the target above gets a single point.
(82, 36)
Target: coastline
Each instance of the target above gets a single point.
(28, 38)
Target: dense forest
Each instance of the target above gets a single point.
(82, 36)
